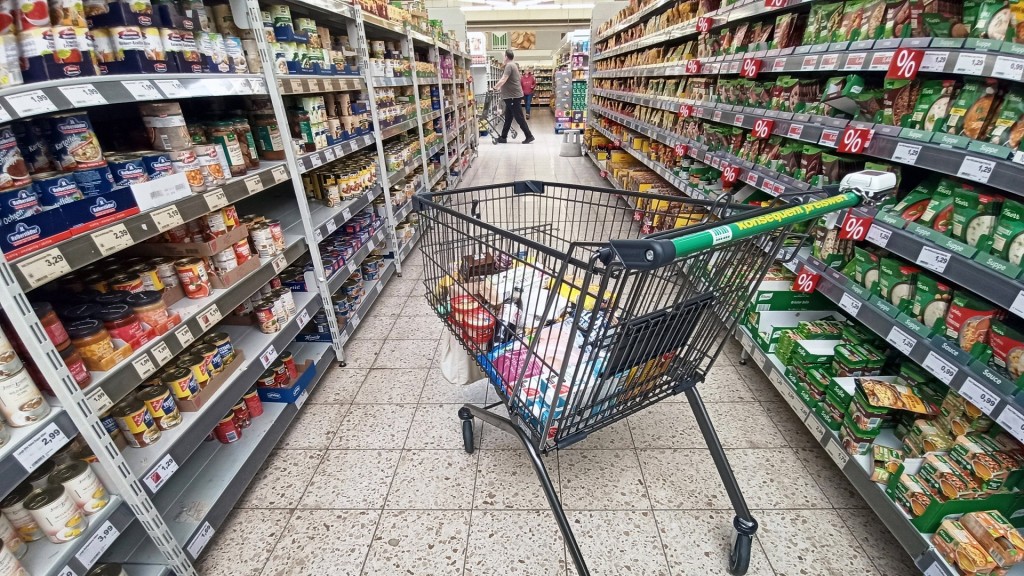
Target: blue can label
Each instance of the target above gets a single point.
(157, 165)
(95, 181)
(57, 190)
(19, 204)
(127, 172)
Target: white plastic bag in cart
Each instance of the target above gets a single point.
(457, 366)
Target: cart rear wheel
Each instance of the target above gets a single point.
(467, 435)
(739, 558)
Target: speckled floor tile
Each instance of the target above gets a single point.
(433, 479)
(831, 481)
(666, 425)
(514, 542)
(314, 427)
(744, 425)
(614, 437)
(374, 426)
(439, 390)
(412, 542)
(318, 542)
(388, 305)
(438, 427)
(505, 479)
(282, 479)
(794, 431)
(682, 479)
(416, 305)
(376, 326)
(362, 352)
(699, 542)
(412, 269)
(623, 543)
(402, 286)
(223, 554)
(351, 479)
(406, 354)
(339, 385)
(888, 557)
(493, 438)
(723, 384)
(602, 480)
(392, 386)
(786, 537)
(758, 383)
(418, 328)
(775, 478)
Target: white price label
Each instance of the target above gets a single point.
(301, 399)
(980, 397)
(209, 317)
(906, 153)
(185, 336)
(31, 103)
(160, 473)
(41, 446)
(279, 263)
(1012, 421)
(795, 131)
(940, 368)
(878, 236)
(142, 89)
(900, 340)
(280, 174)
(838, 455)
(167, 218)
(253, 184)
(99, 401)
(932, 259)
(331, 225)
(67, 571)
(1018, 304)
(969, 63)
(777, 379)
(1009, 68)
(934, 61)
(758, 357)
(216, 199)
(936, 569)
(355, 320)
(201, 539)
(112, 239)
(97, 544)
(162, 353)
(144, 365)
(346, 214)
(44, 267)
(829, 138)
(318, 235)
(829, 62)
(976, 169)
(331, 154)
(809, 63)
(816, 427)
(268, 356)
(316, 160)
(257, 86)
(172, 88)
(351, 268)
(83, 95)
(850, 304)
(303, 318)
(296, 86)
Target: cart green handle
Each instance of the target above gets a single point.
(650, 254)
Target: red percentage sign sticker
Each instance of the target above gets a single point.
(806, 281)
(776, 3)
(617, 143)
(750, 68)
(905, 64)
(704, 24)
(685, 110)
(730, 174)
(854, 140)
(693, 66)
(762, 128)
(681, 149)
(855, 227)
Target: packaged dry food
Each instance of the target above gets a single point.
(896, 281)
(810, 35)
(969, 320)
(788, 30)
(851, 21)
(996, 535)
(863, 268)
(1015, 26)
(1007, 126)
(974, 215)
(942, 475)
(931, 302)
(989, 465)
(939, 214)
(829, 22)
(993, 17)
(897, 19)
(898, 102)
(932, 106)
(913, 205)
(872, 25)
(870, 104)
(971, 108)
(880, 394)
(959, 548)
(1008, 237)
(1007, 345)
(941, 19)
(913, 495)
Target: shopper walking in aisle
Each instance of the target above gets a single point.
(511, 90)
(529, 83)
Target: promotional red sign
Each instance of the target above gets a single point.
(854, 140)
(617, 143)
(681, 149)
(855, 227)
(693, 66)
(776, 3)
(806, 281)
(762, 128)
(904, 64)
(750, 68)
(730, 174)
(685, 110)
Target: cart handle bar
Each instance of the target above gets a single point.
(650, 254)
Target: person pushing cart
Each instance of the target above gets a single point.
(510, 88)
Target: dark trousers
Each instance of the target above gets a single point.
(513, 109)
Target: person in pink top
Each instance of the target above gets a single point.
(529, 83)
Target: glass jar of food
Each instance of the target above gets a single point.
(223, 134)
(269, 141)
(121, 322)
(245, 141)
(51, 323)
(91, 339)
(76, 366)
(149, 306)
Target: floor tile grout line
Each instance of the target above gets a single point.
(650, 501)
(859, 543)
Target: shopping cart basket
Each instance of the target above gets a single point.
(494, 115)
(576, 331)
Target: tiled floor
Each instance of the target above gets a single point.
(372, 478)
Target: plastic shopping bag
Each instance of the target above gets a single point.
(457, 366)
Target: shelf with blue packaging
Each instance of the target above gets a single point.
(327, 219)
(856, 469)
(199, 316)
(216, 475)
(33, 99)
(316, 159)
(309, 84)
(30, 446)
(328, 7)
(434, 149)
(335, 281)
(373, 289)
(400, 127)
(105, 528)
(431, 116)
(49, 263)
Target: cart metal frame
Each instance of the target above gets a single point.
(494, 116)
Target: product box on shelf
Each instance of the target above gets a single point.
(195, 403)
(768, 326)
(201, 249)
(291, 393)
(223, 281)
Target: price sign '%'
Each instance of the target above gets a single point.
(854, 140)
(855, 227)
(806, 281)
(762, 128)
(750, 67)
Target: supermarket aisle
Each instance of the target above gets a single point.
(372, 478)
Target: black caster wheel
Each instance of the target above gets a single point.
(467, 429)
(743, 362)
(739, 558)
(342, 364)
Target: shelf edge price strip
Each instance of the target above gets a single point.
(161, 473)
(97, 544)
(44, 267)
(43, 444)
(113, 239)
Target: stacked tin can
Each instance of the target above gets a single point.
(271, 307)
(21, 402)
(345, 178)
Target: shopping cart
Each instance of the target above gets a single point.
(576, 331)
(494, 115)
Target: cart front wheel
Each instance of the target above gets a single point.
(467, 429)
(739, 558)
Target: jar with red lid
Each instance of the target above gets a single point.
(51, 323)
(129, 281)
(242, 417)
(253, 403)
(227, 431)
(121, 322)
(76, 366)
(149, 306)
